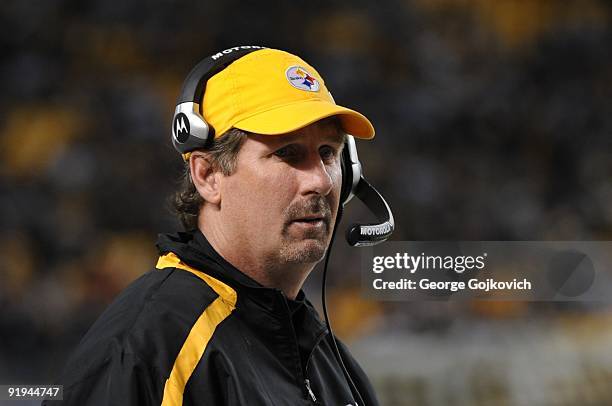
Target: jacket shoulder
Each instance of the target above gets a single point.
(147, 322)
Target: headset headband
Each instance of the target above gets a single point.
(195, 83)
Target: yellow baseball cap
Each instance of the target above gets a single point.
(270, 91)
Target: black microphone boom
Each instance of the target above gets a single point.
(362, 235)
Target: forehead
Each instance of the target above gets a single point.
(327, 130)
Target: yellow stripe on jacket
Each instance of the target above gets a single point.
(200, 334)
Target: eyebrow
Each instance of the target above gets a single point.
(337, 137)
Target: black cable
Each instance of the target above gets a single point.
(352, 385)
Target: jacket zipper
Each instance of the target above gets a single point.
(312, 395)
(307, 381)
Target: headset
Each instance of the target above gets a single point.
(190, 131)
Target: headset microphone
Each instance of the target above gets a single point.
(354, 184)
(362, 235)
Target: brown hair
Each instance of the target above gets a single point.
(223, 155)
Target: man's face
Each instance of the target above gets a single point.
(281, 202)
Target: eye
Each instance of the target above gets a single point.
(327, 153)
(287, 151)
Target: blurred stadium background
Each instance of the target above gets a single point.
(494, 122)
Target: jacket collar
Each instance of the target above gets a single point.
(194, 249)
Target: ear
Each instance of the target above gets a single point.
(205, 178)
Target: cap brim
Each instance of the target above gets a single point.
(292, 117)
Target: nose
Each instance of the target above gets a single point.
(316, 177)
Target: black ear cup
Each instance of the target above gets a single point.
(351, 170)
(347, 175)
(181, 128)
(189, 129)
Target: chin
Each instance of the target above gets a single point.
(303, 252)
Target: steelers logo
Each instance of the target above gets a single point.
(301, 79)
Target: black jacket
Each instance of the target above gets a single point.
(196, 331)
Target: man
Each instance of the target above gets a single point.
(223, 319)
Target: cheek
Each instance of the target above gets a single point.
(258, 198)
(335, 173)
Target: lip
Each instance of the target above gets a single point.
(310, 222)
(316, 224)
(311, 219)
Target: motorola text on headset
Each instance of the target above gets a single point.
(190, 131)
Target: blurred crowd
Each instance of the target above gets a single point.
(493, 119)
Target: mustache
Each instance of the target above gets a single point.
(316, 206)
